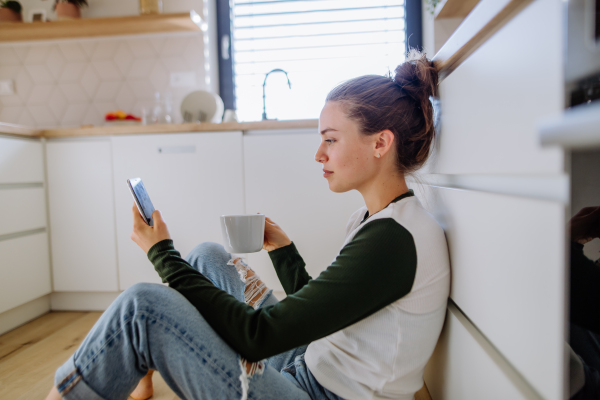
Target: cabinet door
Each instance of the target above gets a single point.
(24, 269)
(82, 221)
(490, 106)
(22, 209)
(191, 178)
(21, 161)
(284, 182)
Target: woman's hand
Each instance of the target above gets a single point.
(147, 236)
(275, 237)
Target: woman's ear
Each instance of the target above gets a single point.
(384, 141)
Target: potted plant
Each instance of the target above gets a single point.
(69, 9)
(10, 10)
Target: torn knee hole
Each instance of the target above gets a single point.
(248, 371)
(241, 267)
(255, 290)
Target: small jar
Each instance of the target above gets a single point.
(150, 7)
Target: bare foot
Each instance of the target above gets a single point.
(53, 395)
(144, 389)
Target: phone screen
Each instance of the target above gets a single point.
(142, 200)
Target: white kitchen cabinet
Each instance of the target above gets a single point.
(24, 259)
(192, 178)
(507, 256)
(465, 362)
(492, 103)
(25, 270)
(21, 161)
(506, 242)
(22, 209)
(82, 222)
(284, 182)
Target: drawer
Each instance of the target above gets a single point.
(22, 209)
(465, 366)
(25, 270)
(21, 161)
(491, 104)
(508, 275)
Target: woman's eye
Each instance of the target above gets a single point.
(330, 141)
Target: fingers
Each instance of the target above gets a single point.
(158, 219)
(268, 220)
(587, 212)
(137, 218)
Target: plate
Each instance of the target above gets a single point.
(202, 106)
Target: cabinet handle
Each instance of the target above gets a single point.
(176, 149)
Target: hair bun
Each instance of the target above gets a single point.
(417, 76)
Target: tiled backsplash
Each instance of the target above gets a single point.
(75, 82)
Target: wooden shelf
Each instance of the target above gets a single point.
(94, 27)
(454, 8)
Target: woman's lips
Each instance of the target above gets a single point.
(327, 173)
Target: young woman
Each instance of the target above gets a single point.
(364, 329)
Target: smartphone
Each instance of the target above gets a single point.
(141, 198)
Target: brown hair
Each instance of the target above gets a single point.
(400, 104)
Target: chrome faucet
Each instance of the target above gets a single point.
(264, 116)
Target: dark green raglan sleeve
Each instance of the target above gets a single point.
(376, 268)
(290, 268)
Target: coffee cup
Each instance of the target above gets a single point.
(243, 233)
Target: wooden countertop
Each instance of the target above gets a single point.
(17, 130)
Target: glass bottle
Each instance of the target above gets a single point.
(157, 110)
(168, 108)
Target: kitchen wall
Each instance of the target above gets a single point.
(67, 83)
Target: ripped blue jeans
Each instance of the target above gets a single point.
(151, 326)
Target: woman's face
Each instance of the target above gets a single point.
(346, 155)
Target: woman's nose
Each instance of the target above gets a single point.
(320, 155)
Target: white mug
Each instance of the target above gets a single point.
(243, 233)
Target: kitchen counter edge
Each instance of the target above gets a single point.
(23, 131)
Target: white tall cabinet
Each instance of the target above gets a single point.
(24, 260)
(502, 199)
(284, 182)
(192, 178)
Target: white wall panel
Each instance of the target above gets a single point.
(284, 182)
(21, 161)
(82, 221)
(195, 178)
(22, 209)
(508, 275)
(465, 366)
(25, 270)
(491, 104)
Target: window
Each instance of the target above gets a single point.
(320, 43)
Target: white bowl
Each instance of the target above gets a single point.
(202, 106)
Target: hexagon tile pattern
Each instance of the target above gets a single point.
(71, 83)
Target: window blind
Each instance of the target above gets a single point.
(319, 43)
